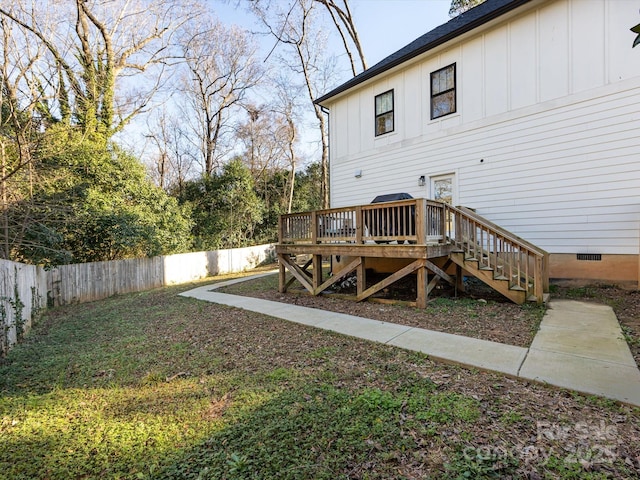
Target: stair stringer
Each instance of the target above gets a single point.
(488, 277)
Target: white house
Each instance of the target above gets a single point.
(527, 111)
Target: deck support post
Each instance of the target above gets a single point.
(338, 276)
(403, 272)
(298, 273)
(361, 277)
(459, 280)
(317, 271)
(422, 287)
(282, 277)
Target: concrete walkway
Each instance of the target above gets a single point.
(579, 345)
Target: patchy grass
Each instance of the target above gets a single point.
(156, 386)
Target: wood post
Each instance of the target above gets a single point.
(538, 282)
(314, 227)
(361, 277)
(422, 287)
(317, 272)
(282, 277)
(359, 224)
(459, 279)
(421, 221)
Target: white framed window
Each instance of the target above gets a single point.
(443, 91)
(384, 113)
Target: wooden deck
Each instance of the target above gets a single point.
(441, 242)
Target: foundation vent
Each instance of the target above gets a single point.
(589, 257)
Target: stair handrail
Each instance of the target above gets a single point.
(504, 233)
(540, 277)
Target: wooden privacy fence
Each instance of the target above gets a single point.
(23, 293)
(25, 290)
(86, 282)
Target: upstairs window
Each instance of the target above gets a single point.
(443, 91)
(384, 113)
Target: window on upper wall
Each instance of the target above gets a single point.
(384, 113)
(443, 91)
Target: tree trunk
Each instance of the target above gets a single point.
(5, 204)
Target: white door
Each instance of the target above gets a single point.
(443, 189)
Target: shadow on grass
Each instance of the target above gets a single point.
(153, 385)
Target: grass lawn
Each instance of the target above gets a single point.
(153, 385)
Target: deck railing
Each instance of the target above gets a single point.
(508, 256)
(418, 221)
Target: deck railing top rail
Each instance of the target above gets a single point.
(413, 220)
(498, 229)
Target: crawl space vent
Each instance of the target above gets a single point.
(590, 257)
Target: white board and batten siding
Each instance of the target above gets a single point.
(546, 138)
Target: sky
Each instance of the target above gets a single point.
(384, 26)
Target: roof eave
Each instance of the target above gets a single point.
(467, 27)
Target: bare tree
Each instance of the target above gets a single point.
(263, 139)
(172, 160)
(297, 28)
(269, 137)
(110, 43)
(16, 126)
(346, 27)
(221, 69)
(288, 107)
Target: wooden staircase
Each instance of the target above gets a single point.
(507, 263)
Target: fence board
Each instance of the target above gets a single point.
(22, 297)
